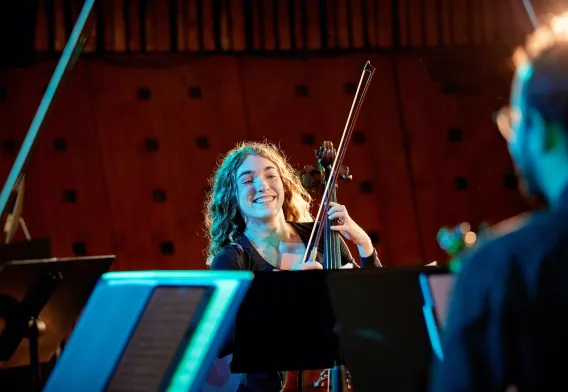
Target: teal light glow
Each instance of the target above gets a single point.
(70, 53)
(431, 324)
(174, 275)
(203, 336)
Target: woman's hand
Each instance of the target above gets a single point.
(308, 265)
(349, 229)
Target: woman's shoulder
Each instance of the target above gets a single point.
(227, 258)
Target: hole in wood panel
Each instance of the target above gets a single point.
(79, 249)
(167, 248)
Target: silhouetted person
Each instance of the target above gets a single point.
(508, 319)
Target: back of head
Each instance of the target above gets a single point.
(543, 63)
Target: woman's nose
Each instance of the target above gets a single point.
(261, 184)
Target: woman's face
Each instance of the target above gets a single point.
(260, 191)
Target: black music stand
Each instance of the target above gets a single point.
(285, 322)
(380, 324)
(40, 301)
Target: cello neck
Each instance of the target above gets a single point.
(331, 242)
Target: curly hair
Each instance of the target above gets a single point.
(223, 220)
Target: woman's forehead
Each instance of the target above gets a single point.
(255, 163)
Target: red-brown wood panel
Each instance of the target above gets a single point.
(416, 21)
(162, 18)
(208, 25)
(134, 42)
(41, 37)
(178, 167)
(120, 44)
(427, 114)
(403, 22)
(385, 155)
(357, 24)
(384, 23)
(225, 26)
(459, 16)
(59, 19)
(489, 18)
(432, 19)
(52, 172)
(342, 31)
(238, 21)
(313, 28)
(268, 21)
(192, 32)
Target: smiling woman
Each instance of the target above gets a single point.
(258, 218)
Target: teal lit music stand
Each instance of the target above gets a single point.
(150, 331)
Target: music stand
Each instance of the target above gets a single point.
(40, 301)
(436, 289)
(380, 324)
(285, 322)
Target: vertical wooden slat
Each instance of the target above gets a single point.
(225, 27)
(256, 27)
(181, 27)
(162, 17)
(416, 22)
(268, 22)
(331, 18)
(432, 20)
(402, 21)
(371, 26)
(108, 16)
(384, 23)
(446, 20)
(284, 25)
(488, 7)
(299, 38)
(191, 26)
(60, 38)
(134, 43)
(91, 44)
(119, 26)
(357, 23)
(208, 25)
(313, 25)
(342, 24)
(459, 19)
(478, 22)
(238, 25)
(150, 26)
(41, 41)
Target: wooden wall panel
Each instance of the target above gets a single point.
(190, 133)
(406, 159)
(386, 155)
(65, 166)
(283, 25)
(427, 115)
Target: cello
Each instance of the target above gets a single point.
(331, 169)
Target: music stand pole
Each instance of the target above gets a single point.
(35, 329)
